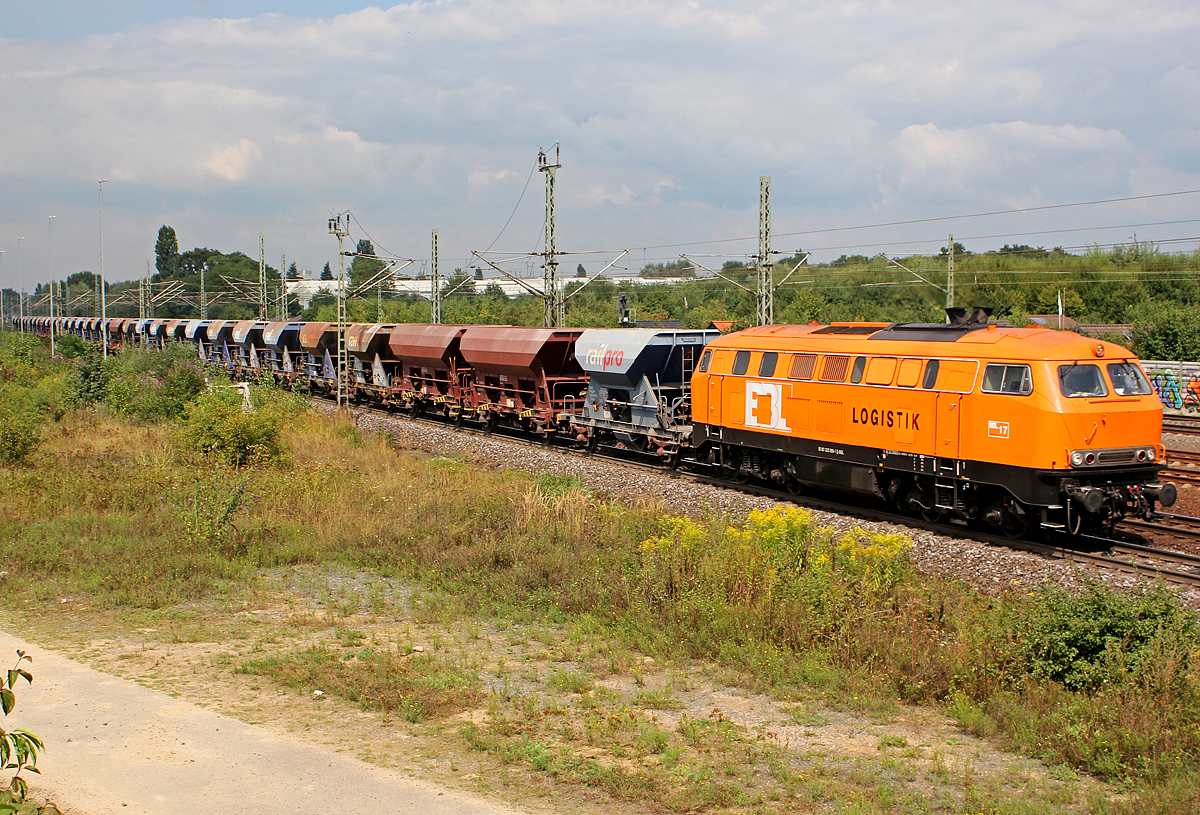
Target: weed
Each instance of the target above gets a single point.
(418, 687)
(570, 681)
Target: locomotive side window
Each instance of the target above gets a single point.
(910, 372)
(802, 366)
(1007, 379)
(956, 375)
(931, 372)
(741, 362)
(766, 367)
(1128, 379)
(1077, 381)
(860, 365)
(705, 361)
(880, 370)
(835, 369)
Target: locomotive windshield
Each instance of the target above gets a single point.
(1128, 379)
(1081, 380)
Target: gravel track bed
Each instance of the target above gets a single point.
(992, 569)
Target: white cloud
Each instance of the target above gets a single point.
(232, 162)
(430, 114)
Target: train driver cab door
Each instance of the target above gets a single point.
(947, 425)
(706, 399)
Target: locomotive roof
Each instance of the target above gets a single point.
(923, 339)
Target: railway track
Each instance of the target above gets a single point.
(1183, 467)
(1148, 562)
(1183, 425)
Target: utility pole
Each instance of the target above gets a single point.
(148, 293)
(262, 277)
(337, 227)
(435, 282)
(50, 255)
(203, 292)
(553, 296)
(2, 296)
(283, 288)
(103, 304)
(950, 275)
(21, 277)
(766, 291)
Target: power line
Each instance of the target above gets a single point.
(930, 220)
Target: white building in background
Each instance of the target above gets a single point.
(305, 290)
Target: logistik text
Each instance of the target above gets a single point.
(879, 417)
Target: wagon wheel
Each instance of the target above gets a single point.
(458, 419)
(1014, 526)
(593, 441)
(489, 423)
(741, 476)
(794, 487)
(671, 460)
(932, 516)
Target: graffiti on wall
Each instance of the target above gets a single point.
(1178, 390)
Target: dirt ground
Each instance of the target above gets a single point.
(195, 654)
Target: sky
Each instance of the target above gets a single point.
(226, 120)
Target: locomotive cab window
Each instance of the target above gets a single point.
(766, 366)
(1128, 379)
(1013, 379)
(1077, 381)
(741, 363)
(705, 361)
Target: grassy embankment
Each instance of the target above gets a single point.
(152, 497)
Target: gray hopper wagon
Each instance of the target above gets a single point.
(639, 390)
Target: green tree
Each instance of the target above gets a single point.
(365, 266)
(166, 250)
(327, 273)
(293, 273)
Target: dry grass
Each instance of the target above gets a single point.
(101, 515)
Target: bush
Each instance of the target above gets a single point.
(217, 428)
(20, 435)
(145, 387)
(1102, 636)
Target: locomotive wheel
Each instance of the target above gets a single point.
(932, 516)
(794, 487)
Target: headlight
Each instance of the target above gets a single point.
(1076, 459)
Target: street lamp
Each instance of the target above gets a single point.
(50, 255)
(21, 275)
(103, 302)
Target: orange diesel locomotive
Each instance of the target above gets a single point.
(1018, 428)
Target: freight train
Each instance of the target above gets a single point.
(970, 421)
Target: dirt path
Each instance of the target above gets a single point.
(113, 746)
